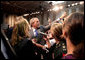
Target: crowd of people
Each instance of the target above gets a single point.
(61, 39)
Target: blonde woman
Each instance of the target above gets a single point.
(59, 45)
(20, 39)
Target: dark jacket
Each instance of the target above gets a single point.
(59, 50)
(39, 37)
(24, 49)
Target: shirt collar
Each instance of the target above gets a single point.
(33, 29)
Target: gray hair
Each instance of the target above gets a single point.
(32, 21)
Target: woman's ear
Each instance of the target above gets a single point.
(64, 34)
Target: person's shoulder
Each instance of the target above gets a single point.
(27, 39)
(69, 56)
(62, 42)
(41, 26)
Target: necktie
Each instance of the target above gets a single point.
(36, 32)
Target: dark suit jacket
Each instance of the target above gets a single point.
(41, 29)
(39, 37)
(44, 28)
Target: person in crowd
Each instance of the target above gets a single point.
(20, 40)
(73, 34)
(60, 44)
(55, 43)
(35, 24)
(36, 28)
(49, 21)
(10, 28)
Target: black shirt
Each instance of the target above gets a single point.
(59, 50)
(24, 49)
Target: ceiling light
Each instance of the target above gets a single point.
(56, 8)
(69, 5)
(48, 10)
(72, 4)
(55, 2)
(82, 2)
(76, 3)
(38, 12)
(26, 14)
(61, 7)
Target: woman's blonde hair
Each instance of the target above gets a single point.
(20, 31)
(56, 30)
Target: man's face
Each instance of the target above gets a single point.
(36, 23)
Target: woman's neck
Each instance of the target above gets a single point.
(70, 47)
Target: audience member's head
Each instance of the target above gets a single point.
(20, 31)
(56, 31)
(34, 22)
(49, 21)
(73, 31)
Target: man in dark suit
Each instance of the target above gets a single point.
(35, 32)
(35, 24)
(36, 28)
